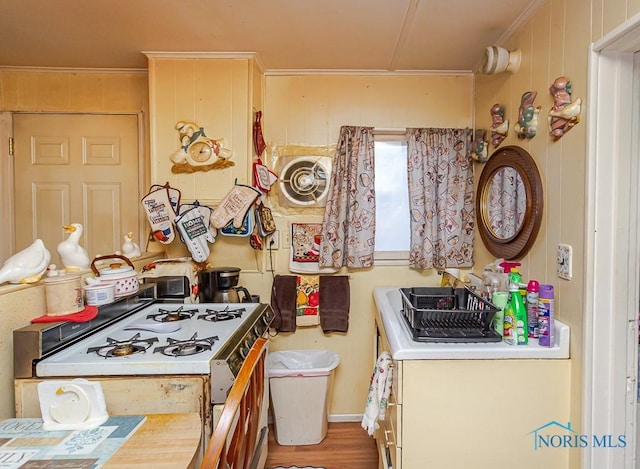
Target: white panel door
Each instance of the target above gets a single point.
(76, 168)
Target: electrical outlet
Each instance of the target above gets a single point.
(287, 237)
(274, 240)
(565, 260)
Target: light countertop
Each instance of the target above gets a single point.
(403, 347)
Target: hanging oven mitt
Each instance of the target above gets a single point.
(192, 228)
(206, 213)
(234, 206)
(174, 194)
(158, 207)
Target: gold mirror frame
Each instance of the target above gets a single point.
(517, 246)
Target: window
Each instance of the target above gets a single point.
(392, 198)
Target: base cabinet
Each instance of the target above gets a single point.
(472, 413)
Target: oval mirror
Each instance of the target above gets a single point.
(509, 203)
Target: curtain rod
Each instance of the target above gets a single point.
(389, 131)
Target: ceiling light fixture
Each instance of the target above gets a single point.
(498, 59)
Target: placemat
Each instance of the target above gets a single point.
(25, 445)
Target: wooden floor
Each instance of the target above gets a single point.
(347, 446)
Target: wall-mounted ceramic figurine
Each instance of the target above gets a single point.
(480, 147)
(499, 125)
(564, 114)
(527, 124)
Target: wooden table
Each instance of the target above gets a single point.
(163, 441)
(170, 441)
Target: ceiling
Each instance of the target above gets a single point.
(371, 35)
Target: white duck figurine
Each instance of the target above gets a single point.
(72, 255)
(26, 266)
(129, 248)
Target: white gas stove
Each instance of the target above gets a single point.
(150, 356)
(182, 339)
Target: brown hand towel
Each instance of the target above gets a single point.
(334, 303)
(283, 303)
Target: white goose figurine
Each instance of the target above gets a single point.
(72, 255)
(26, 266)
(129, 248)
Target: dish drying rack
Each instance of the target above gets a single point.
(446, 314)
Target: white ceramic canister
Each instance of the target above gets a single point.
(63, 295)
(100, 293)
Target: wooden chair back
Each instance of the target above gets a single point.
(235, 436)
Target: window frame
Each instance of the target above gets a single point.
(390, 257)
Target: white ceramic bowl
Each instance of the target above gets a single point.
(100, 293)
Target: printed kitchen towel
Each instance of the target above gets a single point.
(283, 303)
(307, 300)
(334, 303)
(305, 249)
(379, 391)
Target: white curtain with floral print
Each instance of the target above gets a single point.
(440, 198)
(348, 227)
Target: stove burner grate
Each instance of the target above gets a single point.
(167, 315)
(123, 348)
(183, 348)
(226, 314)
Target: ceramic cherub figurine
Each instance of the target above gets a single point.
(480, 147)
(564, 114)
(527, 124)
(499, 125)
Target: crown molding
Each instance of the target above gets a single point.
(7, 68)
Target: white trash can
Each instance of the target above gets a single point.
(300, 382)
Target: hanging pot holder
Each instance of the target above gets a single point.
(248, 224)
(264, 220)
(263, 176)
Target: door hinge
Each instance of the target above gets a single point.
(10, 146)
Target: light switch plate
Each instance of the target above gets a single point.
(565, 261)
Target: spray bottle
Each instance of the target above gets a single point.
(515, 314)
(533, 289)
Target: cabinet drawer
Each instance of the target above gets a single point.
(388, 451)
(393, 419)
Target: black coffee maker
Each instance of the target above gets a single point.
(220, 285)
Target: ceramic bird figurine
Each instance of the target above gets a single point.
(72, 255)
(129, 248)
(26, 266)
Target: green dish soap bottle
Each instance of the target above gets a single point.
(515, 314)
